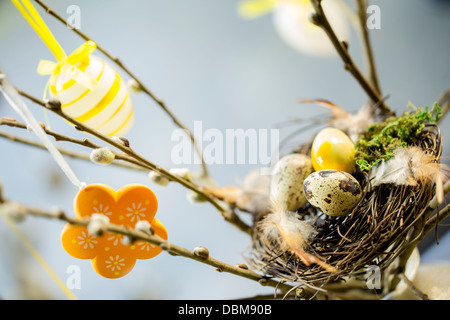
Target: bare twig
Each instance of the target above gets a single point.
(411, 285)
(2, 200)
(67, 152)
(438, 218)
(444, 103)
(434, 202)
(362, 14)
(320, 19)
(58, 137)
(61, 137)
(144, 88)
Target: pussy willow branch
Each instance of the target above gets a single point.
(133, 157)
(319, 18)
(67, 152)
(61, 137)
(144, 88)
(173, 249)
(362, 15)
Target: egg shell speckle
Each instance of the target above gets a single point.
(286, 186)
(335, 193)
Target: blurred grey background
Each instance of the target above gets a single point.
(208, 64)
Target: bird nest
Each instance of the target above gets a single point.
(375, 233)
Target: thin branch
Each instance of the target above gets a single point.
(414, 289)
(67, 152)
(173, 249)
(61, 137)
(444, 103)
(433, 205)
(141, 85)
(131, 156)
(2, 199)
(437, 219)
(362, 14)
(58, 137)
(320, 19)
(259, 297)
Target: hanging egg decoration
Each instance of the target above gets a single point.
(105, 106)
(89, 89)
(333, 149)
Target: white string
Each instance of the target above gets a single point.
(17, 103)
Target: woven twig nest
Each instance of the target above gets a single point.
(376, 232)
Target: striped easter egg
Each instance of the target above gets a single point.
(106, 108)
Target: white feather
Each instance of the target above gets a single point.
(355, 124)
(287, 229)
(291, 234)
(410, 166)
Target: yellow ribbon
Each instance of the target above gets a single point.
(64, 64)
(68, 66)
(36, 22)
(252, 9)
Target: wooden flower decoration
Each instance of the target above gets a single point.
(110, 257)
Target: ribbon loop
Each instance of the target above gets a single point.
(81, 52)
(46, 67)
(68, 65)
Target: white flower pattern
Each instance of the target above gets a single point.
(115, 239)
(145, 246)
(115, 263)
(87, 241)
(102, 209)
(136, 211)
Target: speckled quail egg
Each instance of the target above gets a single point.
(286, 185)
(335, 193)
(333, 149)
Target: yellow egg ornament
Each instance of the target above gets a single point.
(332, 149)
(89, 90)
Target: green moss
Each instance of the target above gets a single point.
(382, 139)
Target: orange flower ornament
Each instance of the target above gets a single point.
(110, 257)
